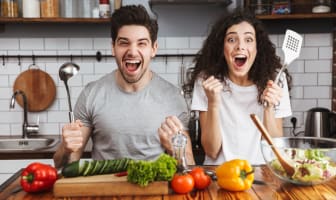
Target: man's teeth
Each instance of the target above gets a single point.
(132, 65)
(133, 61)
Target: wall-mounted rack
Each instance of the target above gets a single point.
(98, 56)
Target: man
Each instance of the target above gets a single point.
(130, 112)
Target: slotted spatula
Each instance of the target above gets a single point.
(291, 48)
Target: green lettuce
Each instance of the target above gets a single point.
(143, 172)
(165, 167)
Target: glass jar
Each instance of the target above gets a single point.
(321, 6)
(104, 9)
(9, 8)
(69, 8)
(31, 8)
(49, 8)
(261, 7)
(85, 8)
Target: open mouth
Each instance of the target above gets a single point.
(132, 65)
(240, 60)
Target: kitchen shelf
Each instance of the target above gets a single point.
(8, 20)
(224, 2)
(300, 9)
(298, 16)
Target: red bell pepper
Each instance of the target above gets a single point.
(37, 177)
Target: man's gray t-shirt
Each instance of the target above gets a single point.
(126, 124)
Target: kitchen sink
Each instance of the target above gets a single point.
(26, 144)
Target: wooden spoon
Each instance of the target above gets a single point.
(289, 169)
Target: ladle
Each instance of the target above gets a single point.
(287, 167)
(66, 71)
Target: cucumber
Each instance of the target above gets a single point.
(119, 165)
(105, 163)
(88, 169)
(108, 167)
(71, 169)
(122, 165)
(83, 166)
(95, 167)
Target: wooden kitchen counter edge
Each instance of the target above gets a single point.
(272, 189)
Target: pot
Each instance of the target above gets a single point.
(38, 86)
(320, 122)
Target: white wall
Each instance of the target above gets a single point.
(311, 73)
(182, 30)
(178, 35)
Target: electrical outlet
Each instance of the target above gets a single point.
(293, 121)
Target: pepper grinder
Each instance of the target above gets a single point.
(179, 142)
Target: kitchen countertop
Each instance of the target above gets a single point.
(268, 187)
(39, 154)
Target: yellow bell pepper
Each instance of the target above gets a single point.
(235, 175)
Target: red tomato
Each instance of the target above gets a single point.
(201, 179)
(182, 183)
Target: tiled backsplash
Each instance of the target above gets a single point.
(311, 73)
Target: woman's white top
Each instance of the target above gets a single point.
(240, 137)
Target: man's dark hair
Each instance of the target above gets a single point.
(133, 15)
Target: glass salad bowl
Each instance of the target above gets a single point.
(313, 158)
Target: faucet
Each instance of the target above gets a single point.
(26, 128)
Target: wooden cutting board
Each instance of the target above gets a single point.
(105, 185)
(38, 87)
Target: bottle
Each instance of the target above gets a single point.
(117, 4)
(179, 142)
(104, 9)
(31, 8)
(49, 8)
(9, 8)
(111, 7)
(95, 12)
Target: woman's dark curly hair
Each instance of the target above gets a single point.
(133, 15)
(210, 59)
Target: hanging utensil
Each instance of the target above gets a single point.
(291, 48)
(38, 86)
(181, 77)
(66, 71)
(284, 163)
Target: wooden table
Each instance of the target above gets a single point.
(268, 187)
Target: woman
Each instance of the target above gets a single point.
(232, 78)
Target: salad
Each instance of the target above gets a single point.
(311, 165)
